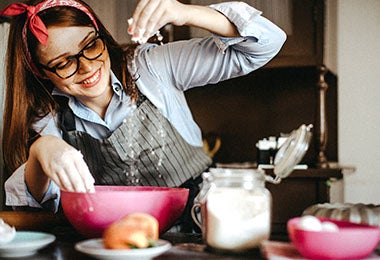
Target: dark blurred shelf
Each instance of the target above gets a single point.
(314, 173)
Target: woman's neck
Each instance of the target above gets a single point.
(99, 104)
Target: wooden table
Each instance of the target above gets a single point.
(184, 245)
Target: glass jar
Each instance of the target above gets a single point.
(235, 209)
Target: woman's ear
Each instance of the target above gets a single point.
(41, 74)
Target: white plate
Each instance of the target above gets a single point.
(26, 243)
(96, 249)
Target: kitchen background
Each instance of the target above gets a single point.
(352, 54)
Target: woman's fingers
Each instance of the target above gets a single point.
(135, 26)
(139, 7)
(86, 177)
(64, 181)
(70, 172)
(144, 15)
(150, 15)
(155, 22)
(78, 173)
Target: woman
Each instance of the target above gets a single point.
(83, 110)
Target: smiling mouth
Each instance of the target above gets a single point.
(91, 80)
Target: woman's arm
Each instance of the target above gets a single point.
(209, 19)
(51, 158)
(52, 165)
(197, 62)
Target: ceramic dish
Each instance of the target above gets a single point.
(351, 241)
(26, 243)
(94, 248)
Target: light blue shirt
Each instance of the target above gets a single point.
(164, 73)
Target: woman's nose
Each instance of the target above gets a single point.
(85, 65)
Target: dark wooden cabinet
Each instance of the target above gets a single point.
(304, 46)
(265, 103)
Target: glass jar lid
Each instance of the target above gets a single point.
(292, 151)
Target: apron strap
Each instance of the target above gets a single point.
(66, 117)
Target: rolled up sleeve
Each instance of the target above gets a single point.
(269, 38)
(17, 194)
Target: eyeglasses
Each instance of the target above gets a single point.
(70, 65)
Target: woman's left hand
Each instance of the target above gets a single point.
(150, 15)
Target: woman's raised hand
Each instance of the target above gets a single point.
(150, 15)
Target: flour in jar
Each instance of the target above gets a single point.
(237, 219)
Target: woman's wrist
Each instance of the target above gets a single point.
(36, 179)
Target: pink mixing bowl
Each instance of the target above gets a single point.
(91, 213)
(352, 241)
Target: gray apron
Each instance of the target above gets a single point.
(110, 162)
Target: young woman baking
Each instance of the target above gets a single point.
(82, 110)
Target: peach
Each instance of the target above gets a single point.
(136, 230)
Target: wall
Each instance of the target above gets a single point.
(115, 15)
(353, 53)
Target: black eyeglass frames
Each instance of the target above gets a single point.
(70, 65)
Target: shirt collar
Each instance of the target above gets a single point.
(83, 112)
(117, 86)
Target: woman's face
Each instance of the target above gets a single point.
(91, 82)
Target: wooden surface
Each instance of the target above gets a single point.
(184, 246)
(32, 220)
